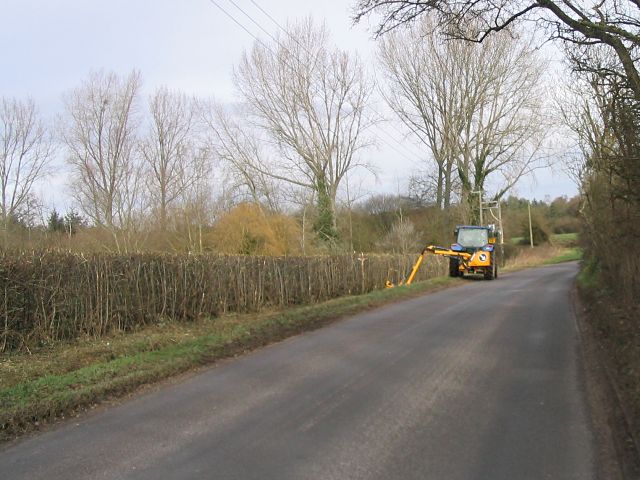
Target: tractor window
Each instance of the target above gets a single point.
(473, 237)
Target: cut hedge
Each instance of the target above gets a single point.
(51, 296)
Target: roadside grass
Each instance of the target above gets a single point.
(589, 282)
(65, 379)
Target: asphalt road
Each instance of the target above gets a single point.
(478, 382)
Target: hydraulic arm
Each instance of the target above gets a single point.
(447, 252)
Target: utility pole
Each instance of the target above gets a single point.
(492, 206)
(530, 227)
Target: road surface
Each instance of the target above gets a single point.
(482, 381)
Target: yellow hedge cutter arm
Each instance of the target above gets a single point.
(464, 257)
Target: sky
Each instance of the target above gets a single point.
(49, 47)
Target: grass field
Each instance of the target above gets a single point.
(568, 239)
(566, 255)
(543, 255)
(559, 239)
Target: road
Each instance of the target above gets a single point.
(481, 381)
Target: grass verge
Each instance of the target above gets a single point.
(65, 379)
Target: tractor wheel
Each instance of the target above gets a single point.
(492, 272)
(494, 265)
(453, 267)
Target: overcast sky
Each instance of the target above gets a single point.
(49, 47)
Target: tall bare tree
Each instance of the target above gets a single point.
(424, 90)
(175, 154)
(310, 100)
(477, 107)
(100, 133)
(26, 149)
(505, 123)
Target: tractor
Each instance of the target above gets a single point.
(474, 252)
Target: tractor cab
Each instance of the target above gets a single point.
(473, 238)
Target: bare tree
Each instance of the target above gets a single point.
(582, 105)
(504, 127)
(176, 157)
(402, 238)
(310, 100)
(100, 133)
(196, 213)
(244, 159)
(477, 107)
(25, 151)
(611, 23)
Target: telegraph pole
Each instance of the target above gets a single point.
(530, 227)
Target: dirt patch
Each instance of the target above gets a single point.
(613, 412)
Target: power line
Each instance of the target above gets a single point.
(268, 16)
(255, 22)
(231, 17)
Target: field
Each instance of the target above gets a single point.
(558, 239)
